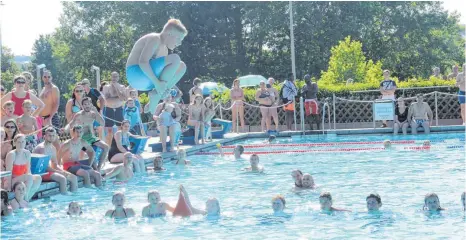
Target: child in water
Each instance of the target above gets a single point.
(156, 207)
(325, 200)
(181, 158)
(278, 204)
(374, 202)
(308, 181)
(254, 161)
(387, 144)
(432, 203)
(74, 209)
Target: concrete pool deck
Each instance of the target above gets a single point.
(51, 188)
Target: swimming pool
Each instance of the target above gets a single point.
(401, 177)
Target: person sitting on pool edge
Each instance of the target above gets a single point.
(420, 115)
(254, 161)
(74, 209)
(149, 66)
(278, 204)
(184, 208)
(156, 207)
(181, 158)
(373, 202)
(120, 211)
(432, 203)
(326, 202)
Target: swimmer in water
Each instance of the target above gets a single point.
(254, 160)
(181, 158)
(308, 181)
(156, 207)
(272, 139)
(237, 151)
(426, 143)
(387, 144)
(374, 202)
(158, 164)
(212, 205)
(432, 203)
(325, 200)
(120, 211)
(278, 204)
(74, 209)
(297, 176)
(463, 200)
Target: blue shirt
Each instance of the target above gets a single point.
(132, 115)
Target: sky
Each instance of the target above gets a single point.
(22, 21)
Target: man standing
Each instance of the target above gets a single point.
(50, 95)
(86, 118)
(289, 92)
(115, 97)
(311, 106)
(387, 88)
(460, 83)
(436, 73)
(454, 73)
(95, 97)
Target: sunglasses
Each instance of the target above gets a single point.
(20, 82)
(79, 91)
(131, 110)
(46, 76)
(10, 127)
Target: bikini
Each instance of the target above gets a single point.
(265, 95)
(126, 216)
(75, 108)
(19, 169)
(19, 204)
(236, 94)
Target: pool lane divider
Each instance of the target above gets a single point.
(415, 148)
(321, 144)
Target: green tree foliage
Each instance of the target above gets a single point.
(230, 39)
(9, 68)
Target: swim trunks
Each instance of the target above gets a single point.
(138, 80)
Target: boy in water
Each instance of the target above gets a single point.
(325, 200)
(374, 202)
(278, 204)
(27, 125)
(432, 203)
(156, 207)
(308, 181)
(254, 161)
(9, 110)
(74, 209)
(158, 164)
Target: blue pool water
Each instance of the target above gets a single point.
(401, 177)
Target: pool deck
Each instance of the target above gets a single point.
(51, 188)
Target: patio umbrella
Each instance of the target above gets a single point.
(251, 80)
(208, 87)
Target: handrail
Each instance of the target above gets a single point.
(378, 90)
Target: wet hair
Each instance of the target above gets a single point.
(175, 24)
(272, 137)
(376, 196)
(215, 200)
(69, 205)
(116, 194)
(14, 133)
(326, 195)
(152, 192)
(196, 81)
(86, 99)
(16, 184)
(27, 101)
(240, 148)
(254, 155)
(4, 197)
(431, 195)
(281, 197)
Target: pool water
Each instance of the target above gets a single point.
(401, 177)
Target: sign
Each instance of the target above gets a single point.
(384, 111)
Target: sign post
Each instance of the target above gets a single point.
(383, 110)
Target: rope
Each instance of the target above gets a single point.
(321, 144)
(29, 134)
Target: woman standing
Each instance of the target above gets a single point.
(74, 104)
(265, 100)
(19, 95)
(237, 98)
